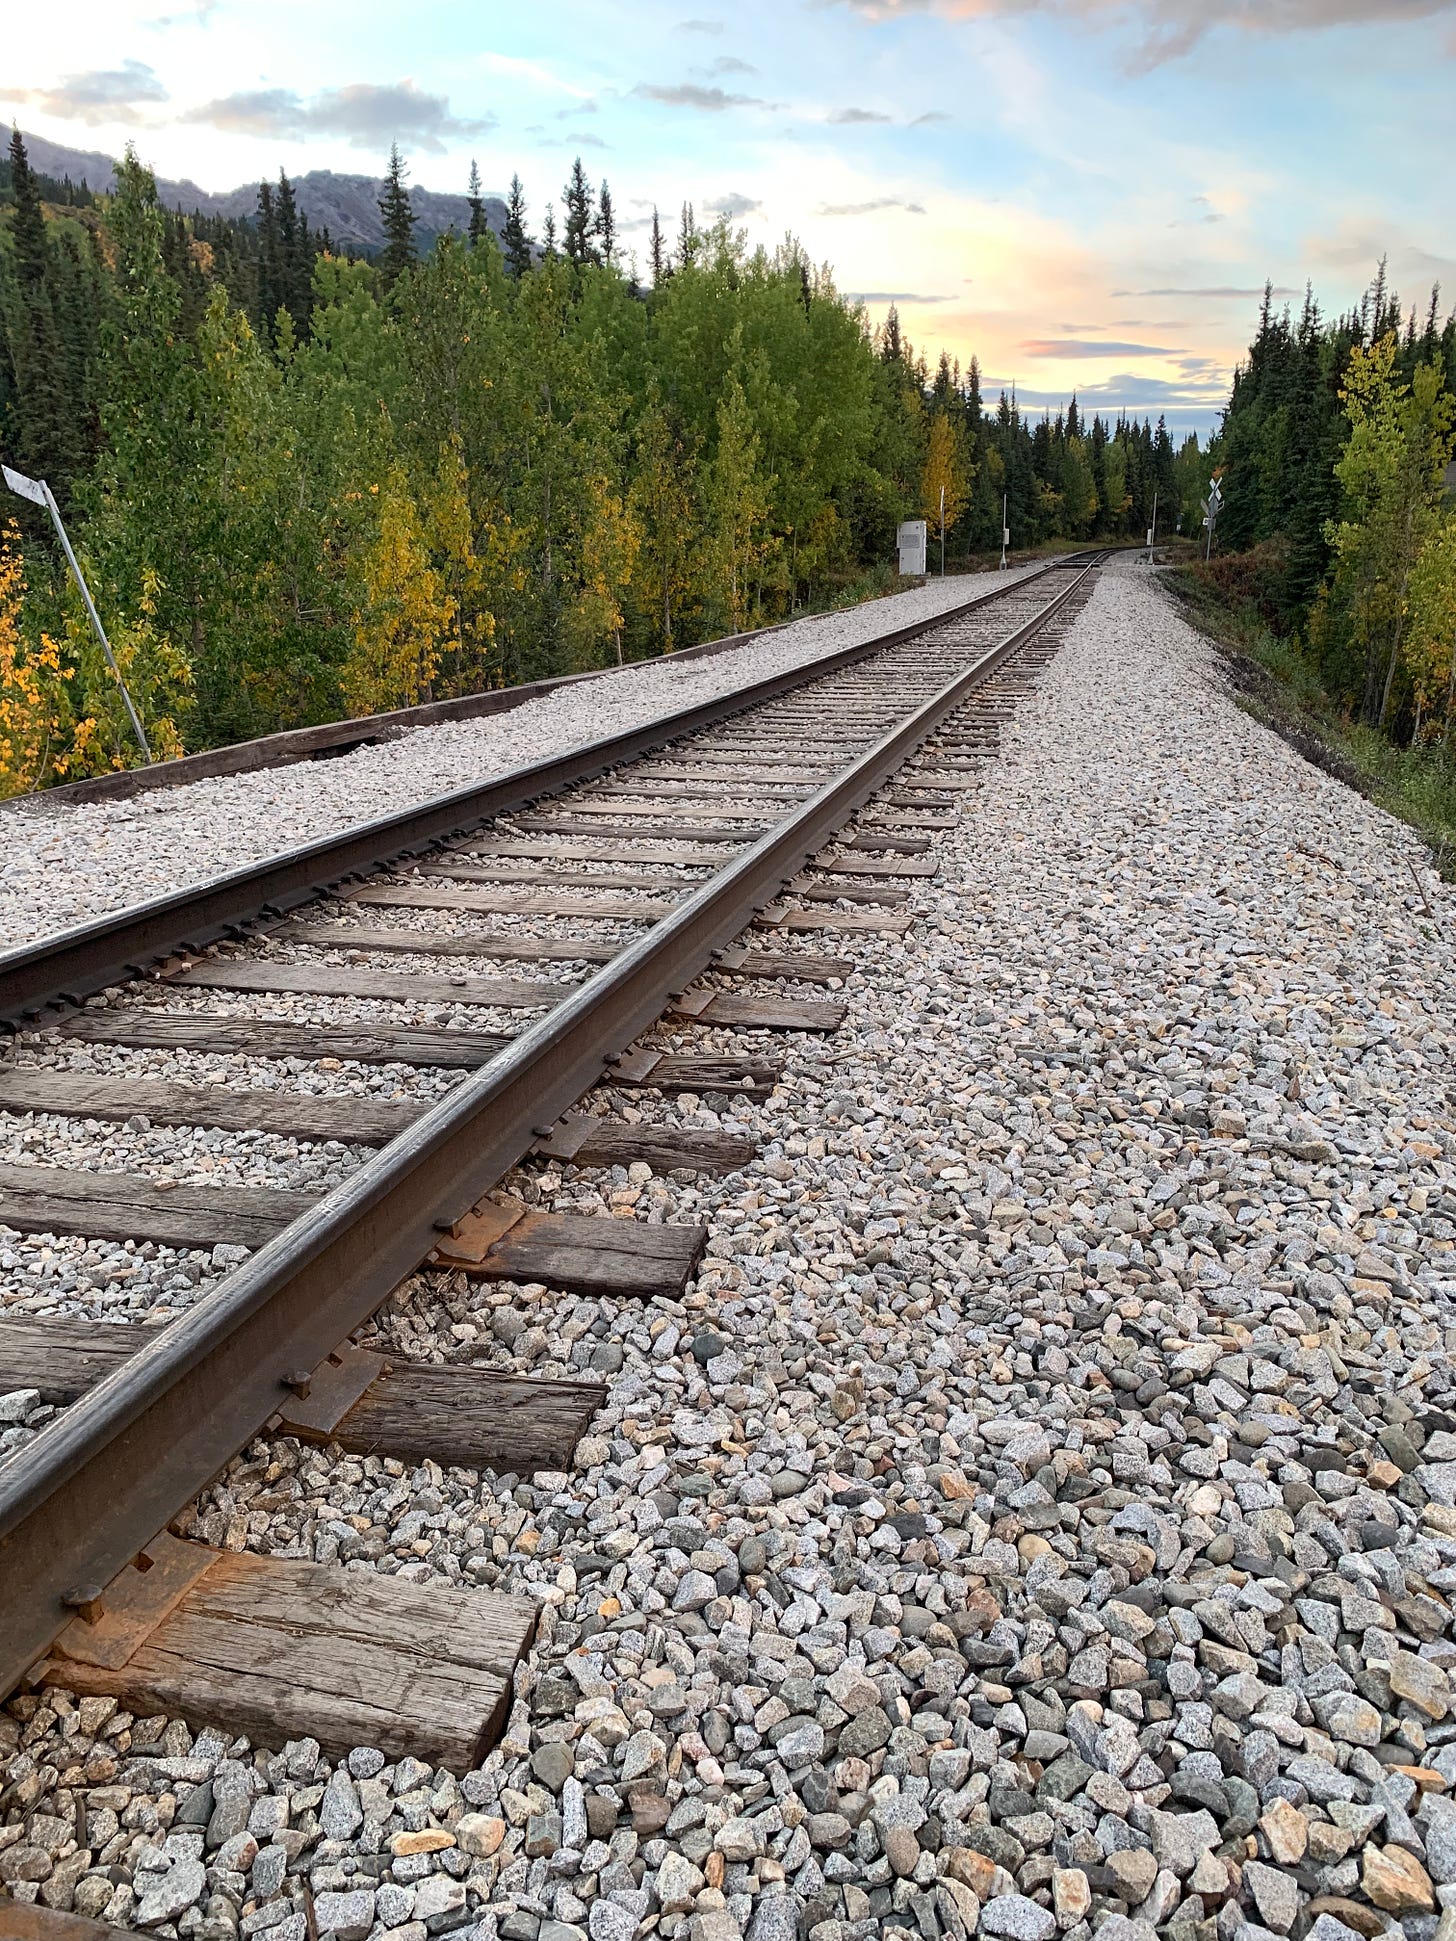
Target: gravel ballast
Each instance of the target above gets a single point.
(1039, 1517)
(61, 866)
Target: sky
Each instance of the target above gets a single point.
(1089, 195)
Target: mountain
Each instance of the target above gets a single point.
(346, 205)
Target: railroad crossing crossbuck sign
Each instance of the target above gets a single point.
(1212, 506)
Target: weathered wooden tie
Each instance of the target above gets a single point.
(598, 909)
(699, 832)
(274, 1649)
(282, 1038)
(125, 1206)
(465, 943)
(759, 1013)
(663, 1071)
(581, 1140)
(608, 849)
(294, 1115)
(368, 1403)
(402, 987)
(510, 1241)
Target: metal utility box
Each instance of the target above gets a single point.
(912, 548)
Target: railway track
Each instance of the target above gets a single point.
(426, 998)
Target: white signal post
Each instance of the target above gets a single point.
(39, 493)
(1005, 530)
(942, 532)
(1153, 530)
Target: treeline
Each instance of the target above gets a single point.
(1339, 524)
(305, 486)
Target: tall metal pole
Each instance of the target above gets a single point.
(942, 532)
(1153, 528)
(1005, 500)
(40, 493)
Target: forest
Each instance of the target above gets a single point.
(304, 486)
(1339, 526)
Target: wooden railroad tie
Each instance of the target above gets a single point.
(579, 1253)
(403, 987)
(459, 1417)
(306, 1115)
(465, 943)
(275, 1649)
(284, 1038)
(294, 1115)
(598, 909)
(741, 832)
(126, 1206)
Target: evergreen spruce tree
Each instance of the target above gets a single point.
(270, 279)
(548, 234)
(687, 238)
(295, 256)
(45, 417)
(657, 255)
(28, 226)
(513, 234)
(580, 217)
(478, 224)
(606, 226)
(398, 214)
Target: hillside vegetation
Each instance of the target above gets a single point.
(305, 486)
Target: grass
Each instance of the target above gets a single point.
(1278, 686)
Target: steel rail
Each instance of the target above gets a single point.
(69, 965)
(97, 1484)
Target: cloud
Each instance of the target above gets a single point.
(105, 95)
(686, 94)
(924, 121)
(853, 117)
(1089, 347)
(1213, 293)
(1126, 392)
(700, 26)
(869, 208)
(893, 296)
(366, 116)
(730, 64)
(733, 205)
(1170, 28)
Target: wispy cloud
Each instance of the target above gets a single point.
(700, 26)
(924, 121)
(1089, 347)
(853, 117)
(687, 94)
(869, 208)
(1212, 293)
(733, 205)
(366, 116)
(730, 64)
(895, 296)
(1168, 29)
(103, 96)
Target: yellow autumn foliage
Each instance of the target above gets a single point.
(405, 614)
(41, 737)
